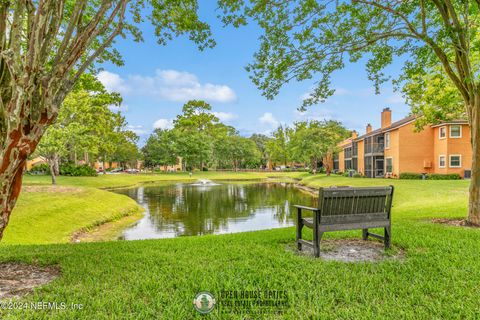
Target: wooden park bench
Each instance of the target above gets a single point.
(347, 208)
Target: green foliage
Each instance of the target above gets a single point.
(277, 147)
(200, 139)
(312, 141)
(410, 176)
(438, 176)
(261, 141)
(357, 175)
(86, 124)
(433, 95)
(161, 148)
(42, 168)
(70, 169)
(313, 39)
(430, 176)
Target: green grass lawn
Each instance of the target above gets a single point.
(157, 279)
(52, 214)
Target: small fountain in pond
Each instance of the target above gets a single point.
(204, 183)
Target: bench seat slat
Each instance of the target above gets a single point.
(353, 226)
(348, 218)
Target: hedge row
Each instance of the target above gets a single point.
(66, 169)
(433, 176)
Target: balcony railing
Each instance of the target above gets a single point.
(374, 148)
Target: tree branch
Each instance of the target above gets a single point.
(79, 7)
(106, 43)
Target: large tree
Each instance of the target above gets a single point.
(312, 141)
(46, 45)
(277, 147)
(308, 39)
(86, 126)
(261, 141)
(161, 148)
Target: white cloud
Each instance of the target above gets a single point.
(341, 92)
(268, 118)
(121, 108)
(170, 85)
(137, 129)
(225, 116)
(113, 82)
(163, 124)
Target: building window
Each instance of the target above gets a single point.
(455, 161)
(442, 161)
(456, 131)
(387, 140)
(442, 132)
(388, 165)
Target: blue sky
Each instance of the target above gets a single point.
(156, 80)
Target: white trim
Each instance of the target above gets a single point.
(440, 131)
(385, 140)
(386, 164)
(450, 131)
(450, 160)
(444, 160)
(448, 123)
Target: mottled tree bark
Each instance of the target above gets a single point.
(40, 61)
(21, 140)
(474, 202)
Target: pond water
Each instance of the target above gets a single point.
(187, 209)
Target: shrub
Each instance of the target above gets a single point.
(70, 169)
(410, 175)
(438, 176)
(42, 168)
(357, 175)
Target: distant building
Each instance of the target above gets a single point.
(173, 168)
(396, 147)
(35, 161)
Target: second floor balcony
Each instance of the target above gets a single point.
(374, 148)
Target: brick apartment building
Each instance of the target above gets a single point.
(396, 147)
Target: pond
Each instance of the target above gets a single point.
(187, 209)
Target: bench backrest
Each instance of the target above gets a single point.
(369, 202)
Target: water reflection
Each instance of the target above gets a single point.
(185, 209)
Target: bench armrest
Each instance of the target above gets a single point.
(305, 208)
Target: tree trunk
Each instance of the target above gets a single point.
(51, 164)
(474, 201)
(56, 167)
(15, 150)
(313, 162)
(327, 161)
